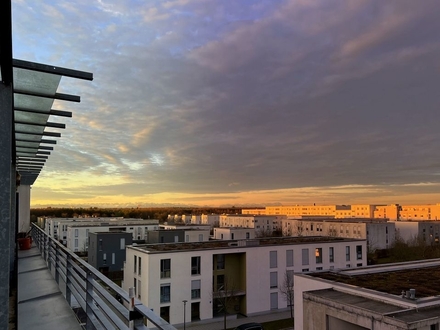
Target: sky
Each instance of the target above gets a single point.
(208, 102)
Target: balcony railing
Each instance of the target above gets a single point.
(101, 303)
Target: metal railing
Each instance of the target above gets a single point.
(101, 303)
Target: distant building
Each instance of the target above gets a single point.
(261, 223)
(187, 234)
(426, 231)
(259, 211)
(380, 234)
(394, 296)
(252, 271)
(106, 250)
(231, 233)
(210, 219)
(78, 232)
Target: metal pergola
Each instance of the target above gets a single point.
(27, 137)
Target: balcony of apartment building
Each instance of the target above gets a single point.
(44, 285)
(56, 289)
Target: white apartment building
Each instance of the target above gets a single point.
(259, 211)
(380, 234)
(261, 223)
(362, 299)
(210, 219)
(196, 219)
(231, 233)
(249, 272)
(427, 231)
(78, 233)
(57, 227)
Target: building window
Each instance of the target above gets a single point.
(273, 259)
(135, 285)
(273, 280)
(165, 268)
(165, 292)
(187, 238)
(200, 237)
(165, 313)
(220, 261)
(358, 252)
(135, 264)
(289, 258)
(113, 258)
(331, 254)
(318, 268)
(232, 235)
(76, 232)
(104, 258)
(76, 242)
(247, 236)
(305, 257)
(220, 282)
(195, 265)
(318, 255)
(140, 266)
(347, 253)
(122, 243)
(139, 289)
(195, 289)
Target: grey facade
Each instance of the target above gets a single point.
(107, 250)
(165, 236)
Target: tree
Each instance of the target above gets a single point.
(286, 289)
(225, 297)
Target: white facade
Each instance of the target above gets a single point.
(380, 234)
(210, 219)
(77, 233)
(257, 267)
(261, 223)
(229, 233)
(196, 219)
(327, 304)
(197, 235)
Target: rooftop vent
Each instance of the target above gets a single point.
(409, 294)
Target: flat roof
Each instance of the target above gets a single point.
(233, 244)
(402, 314)
(424, 277)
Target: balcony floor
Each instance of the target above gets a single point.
(41, 305)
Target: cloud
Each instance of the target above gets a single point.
(197, 99)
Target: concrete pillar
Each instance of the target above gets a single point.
(6, 197)
(24, 208)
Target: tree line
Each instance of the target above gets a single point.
(159, 213)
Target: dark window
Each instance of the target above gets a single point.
(165, 268)
(165, 293)
(220, 261)
(331, 253)
(359, 252)
(195, 265)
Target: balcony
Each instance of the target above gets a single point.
(58, 290)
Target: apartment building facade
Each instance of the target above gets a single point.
(261, 223)
(231, 233)
(78, 233)
(249, 272)
(380, 234)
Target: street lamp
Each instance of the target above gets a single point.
(184, 314)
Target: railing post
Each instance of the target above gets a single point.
(57, 264)
(68, 274)
(89, 301)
